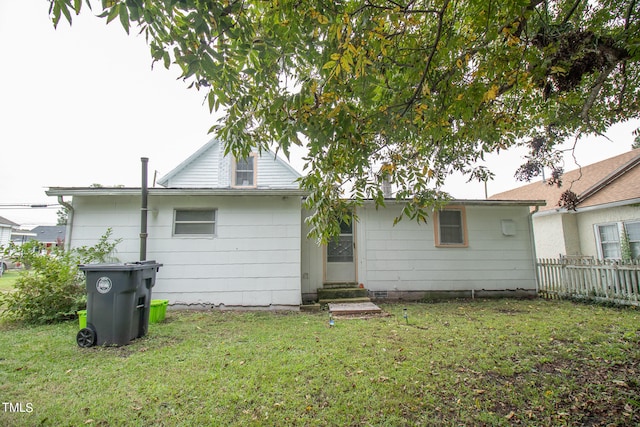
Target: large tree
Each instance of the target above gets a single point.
(404, 91)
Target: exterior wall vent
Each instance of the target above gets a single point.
(380, 294)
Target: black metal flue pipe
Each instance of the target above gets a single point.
(143, 211)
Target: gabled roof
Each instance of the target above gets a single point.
(614, 180)
(164, 180)
(49, 233)
(5, 222)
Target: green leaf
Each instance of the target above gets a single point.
(113, 13)
(396, 85)
(64, 8)
(211, 98)
(124, 16)
(329, 65)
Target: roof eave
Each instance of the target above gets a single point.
(610, 205)
(479, 202)
(135, 191)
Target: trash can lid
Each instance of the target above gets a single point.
(126, 266)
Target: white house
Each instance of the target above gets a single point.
(231, 233)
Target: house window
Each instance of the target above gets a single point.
(633, 234)
(450, 228)
(609, 241)
(244, 174)
(194, 222)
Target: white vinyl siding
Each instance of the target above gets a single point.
(201, 172)
(405, 257)
(275, 173)
(253, 261)
(210, 168)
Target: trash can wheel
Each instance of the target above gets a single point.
(86, 337)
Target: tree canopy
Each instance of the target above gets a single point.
(399, 91)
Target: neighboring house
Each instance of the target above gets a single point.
(231, 233)
(49, 235)
(608, 210)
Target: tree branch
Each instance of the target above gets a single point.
(431, 55)
(595, 90)
(571, 11)
(627, 18)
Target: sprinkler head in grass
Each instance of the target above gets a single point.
(331, 321)
(405, 315)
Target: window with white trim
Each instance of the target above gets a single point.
(450, 227)
(244, 173)
(194, 222)
(609, 241)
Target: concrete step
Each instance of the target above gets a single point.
(339, 285)
(354, 308)
(341, 293)
(311, 307)
(323, 302)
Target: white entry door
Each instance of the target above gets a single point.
(340, 257)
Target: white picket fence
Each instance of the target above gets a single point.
(615, 281)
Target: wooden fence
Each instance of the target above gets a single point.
(615, 281)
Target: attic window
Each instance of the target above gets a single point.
(244, 173)
(450, 228)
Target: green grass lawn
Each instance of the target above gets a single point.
(502, 362)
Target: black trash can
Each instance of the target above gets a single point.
(118, 302)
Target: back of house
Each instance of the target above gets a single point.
(230, 233)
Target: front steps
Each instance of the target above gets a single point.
(342, 293)
(360, 308)
(345, 300)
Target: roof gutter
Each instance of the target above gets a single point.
(474, 202)
(70, 211)
(130, 191)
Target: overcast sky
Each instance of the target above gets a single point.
(80, 105)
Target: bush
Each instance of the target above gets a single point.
(52, 289)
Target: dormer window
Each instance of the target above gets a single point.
(244, 172)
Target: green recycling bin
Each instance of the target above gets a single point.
(118, 301)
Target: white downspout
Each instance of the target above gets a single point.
(533, 248)
(67, 237)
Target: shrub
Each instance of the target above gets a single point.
(52, 289)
